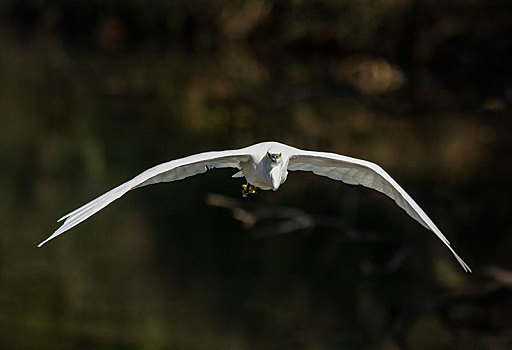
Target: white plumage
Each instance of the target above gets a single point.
(265, 166)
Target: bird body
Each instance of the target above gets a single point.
(265, 166)
(265, 173)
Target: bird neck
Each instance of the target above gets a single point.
(270, 164)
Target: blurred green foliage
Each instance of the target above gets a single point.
(93, 92)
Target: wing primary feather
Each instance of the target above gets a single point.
(91, 203)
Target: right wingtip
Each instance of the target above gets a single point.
(462, 262)
(465, 266)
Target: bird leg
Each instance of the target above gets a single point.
(248, 189)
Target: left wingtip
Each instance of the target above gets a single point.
(43, 242)
(55, 234)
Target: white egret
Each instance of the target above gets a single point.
(265, 166)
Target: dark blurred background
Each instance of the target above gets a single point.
(94, 92)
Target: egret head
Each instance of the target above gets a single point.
(274, 155)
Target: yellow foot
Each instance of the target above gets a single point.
(248, 189)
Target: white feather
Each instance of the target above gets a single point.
(360, 172)
(266, 172)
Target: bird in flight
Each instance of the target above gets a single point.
(265, 166)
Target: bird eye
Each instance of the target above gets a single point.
(279, 155)
(268, 154)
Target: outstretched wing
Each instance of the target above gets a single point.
(360, 172)
(171, 171)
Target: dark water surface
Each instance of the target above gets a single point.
(92, 93)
